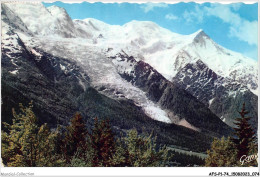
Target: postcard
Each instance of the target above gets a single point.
(104, 86)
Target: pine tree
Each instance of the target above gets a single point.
(121, 156)
(79, 159)
(75, 136)
(47, 147)
(142, 151)
(244, 133)
(223, 153)
(21, 139)
(27, 145)
(103, 143)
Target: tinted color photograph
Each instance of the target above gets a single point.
(129, 84)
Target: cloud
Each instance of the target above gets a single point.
(171, 17)
(247, 31)
(224, 13)
(150, 6)
(196, 15)
(239, 27)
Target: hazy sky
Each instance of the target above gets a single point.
(234, 26)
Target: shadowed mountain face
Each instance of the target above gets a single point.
(179, 104)
(152, 82)
(223, 96)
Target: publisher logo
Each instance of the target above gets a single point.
(246, 159)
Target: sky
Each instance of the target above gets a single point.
(234, 26)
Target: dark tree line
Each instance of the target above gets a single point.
(26, 144)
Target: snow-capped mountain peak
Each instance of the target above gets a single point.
(198, 33)
(141, 26)
(224, 62)
(41, 21)
(147, 30)
(34, 15)
(57, 11)
(200, 36)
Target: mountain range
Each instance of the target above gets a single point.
(186, 88)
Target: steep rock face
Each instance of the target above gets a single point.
(10, 18)
(223, 96)
(179, 104)
(26, 77)
(223, 62)
(29, 74)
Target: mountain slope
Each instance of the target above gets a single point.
(222, 95)
(224, 62)
(81, 55)
(182, 108)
